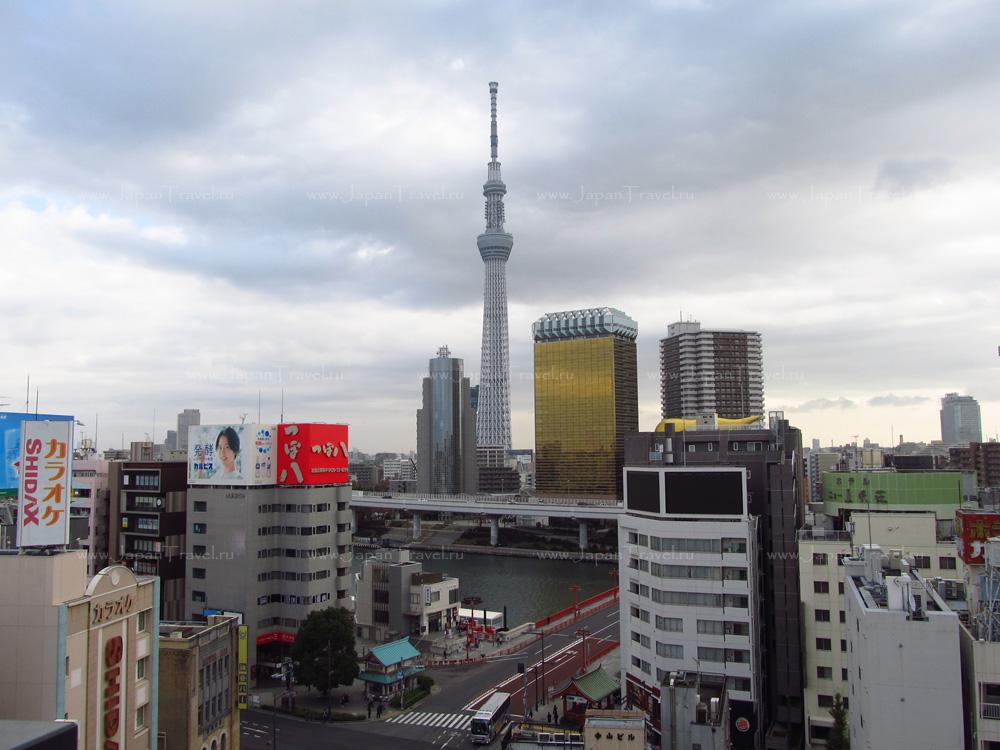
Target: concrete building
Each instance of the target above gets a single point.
(496, 474)
(704, 371)
(395, 597)
(91, 492)
(606, 729)
(981, 458)
(690, 602)
(79, 650)
(961, 421)
(200, 675)
(399, 468)
(271, 553)
(366, 475)
(446, 430)
(942, 492)
(586, 400)
(185, 420)
(820, 462)
(148, 525)
(775, 479)
(824, 618)
(903, 657)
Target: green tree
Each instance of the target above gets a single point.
(839, 738)
(324, 652)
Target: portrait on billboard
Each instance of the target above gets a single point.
(231, 454)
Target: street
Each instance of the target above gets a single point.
(442, 720)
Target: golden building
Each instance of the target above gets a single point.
(586, 399)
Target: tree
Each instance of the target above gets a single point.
(839, 738)
(324, 652)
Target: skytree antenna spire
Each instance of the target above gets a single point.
(493, 414)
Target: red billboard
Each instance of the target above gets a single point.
(973, 528)
(312, 454)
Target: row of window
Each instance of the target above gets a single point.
(270, 622)
(700, 599)
(825, 644)
(945, 562)
(823, 615)
(142, 480)
(293, 508)
(288, 575)
(293, 530)
(292, 599)
(672, 544)
(307, 553)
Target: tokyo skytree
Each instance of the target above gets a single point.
(493, 414)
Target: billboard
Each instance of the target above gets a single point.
(231, 454)
(10, 444)
(312, 454)
(973, 528)
(243, 671)
(46, 473)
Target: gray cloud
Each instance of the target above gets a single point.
(900, 177)
(819, 404)
(893, 400)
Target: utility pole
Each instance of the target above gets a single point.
(329, 650)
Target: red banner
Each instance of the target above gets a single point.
(312, 454)
(973, 528)
(275, 637)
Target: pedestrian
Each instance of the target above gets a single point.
(555, 714)
(369, 709)
(379, 711)
(548, 718)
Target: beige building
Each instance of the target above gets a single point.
(614, 730)
(200, 684)
(824, 636)
(78, 650)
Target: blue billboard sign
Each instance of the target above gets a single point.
(10, 445)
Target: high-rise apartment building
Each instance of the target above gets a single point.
(775, 479)
(493, 399)
(961, 421)
(586, 400)
(704, 371)
(148, 523)
(690, 608)
(187, 418)
(446, 430)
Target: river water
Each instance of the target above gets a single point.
(529, 587)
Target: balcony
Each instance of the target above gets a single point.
(989, 710)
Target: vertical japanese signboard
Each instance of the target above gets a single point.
(243, 673)
(44, 485)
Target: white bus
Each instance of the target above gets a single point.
(491, 718)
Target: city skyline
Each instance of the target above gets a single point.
(260, 215)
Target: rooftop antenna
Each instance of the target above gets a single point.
(493, 120)
(243, 418)
(154, 425)
(282, 419)
(27, 395)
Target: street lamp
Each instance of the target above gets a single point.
(575, 588)
(584, 632)
(540, 632)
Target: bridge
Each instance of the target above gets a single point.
(581, 509)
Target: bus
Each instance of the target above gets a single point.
(491, 718)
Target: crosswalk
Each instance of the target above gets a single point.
(428, 719)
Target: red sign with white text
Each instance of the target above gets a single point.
(312, 454)
(973, 528)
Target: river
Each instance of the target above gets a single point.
(529, 587)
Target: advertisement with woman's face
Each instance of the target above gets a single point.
(231, 454)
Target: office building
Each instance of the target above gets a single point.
(91, 495)
(498, 475)
(961, 421)
(399, 468)
(79, 650)
(903, 657)
(273, 543)
(586, 400)
(493, 397)
(148, 512)
(365, 475)
(201, 683)
(775, 478)
(395, 597)
(824, 619)
(690, 604)
(704, 371)
(820, 462)
(446, 430)
(185, 420)
(171, 443)
(981, 458)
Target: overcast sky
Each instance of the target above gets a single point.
(203, 201)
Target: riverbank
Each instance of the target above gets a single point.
(611, 558)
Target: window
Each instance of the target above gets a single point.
(641, 664)
(843, 616)
(711, 627)
(947, 562)
(200, 506)
(711, 654)
(824, 673)
(200, 528)
(669, 650)
(824, 644)
(737, 656)
(198, 596)
(639, 614)
(821, 587)
(819, 558)
(825, 701)
(843, 647)
(197, 572)
(822, 615)
(142, 621)
(734, 446)
(633, 587)
(843, 675)
(140, 668)
(840, 588)
(140, 718)
(669, 624)
(692, 448)
(734, 546)
(922, 561)
(735, 600)
(199, 549)
(642, 640)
